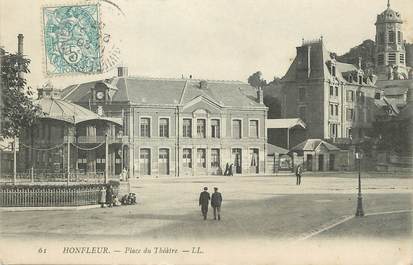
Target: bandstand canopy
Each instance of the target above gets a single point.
(62, 110)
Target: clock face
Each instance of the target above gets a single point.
(100, 95)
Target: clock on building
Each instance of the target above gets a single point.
(100, 95)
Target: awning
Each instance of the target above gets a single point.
(285, 123)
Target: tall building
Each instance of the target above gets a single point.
(175, 127)
(390, 53)
(334, 99)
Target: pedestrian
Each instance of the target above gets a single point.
(298, 173)
(226, 172)
(204, 201)
(102, 199)
(216, 201)
(109, 196)
(231, 170)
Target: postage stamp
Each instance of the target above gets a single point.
(72, 39)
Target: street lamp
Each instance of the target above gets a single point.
(359, 212)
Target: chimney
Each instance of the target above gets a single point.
(260, 95)
(122, 71)
(203, 84)
(20, 52)
(20, 44)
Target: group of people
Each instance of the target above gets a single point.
(216, 201)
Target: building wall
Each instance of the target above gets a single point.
(176, 142)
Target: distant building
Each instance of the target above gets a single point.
(390, 52)
(178, 127)
(334, 99)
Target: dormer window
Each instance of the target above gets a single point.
(350, 78)
(360, 78)
(333, 70)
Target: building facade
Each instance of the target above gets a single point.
(334, 99)
(177, 127)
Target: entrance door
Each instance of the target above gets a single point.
(254, 162)
(331, 162)
(163, 161)
(145, 161)
(310, 162)
(320, 162)
(236, 155)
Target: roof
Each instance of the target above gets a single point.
(167, 91)
(389, 16)
(271, 149)
(313, 144)
(394, 91)
(66, 111)
(284, 123)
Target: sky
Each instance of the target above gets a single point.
(208, 39)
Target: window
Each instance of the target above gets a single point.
(333, 70)
(331, 91)
(336, 91)
(349, 114)
(164, 127)
(200, 128)
(336, 109)
(331, 110)
(349, 133)
(381, 37)
(380, 59)
(302, 112)
(145, 127)
(254, 128)
(215, 158)
(187, 157)
(392, 58)
(333, 130)
(215, 129)
(236, 129)
(402, 58)
(301, 94)
(362, 97)
(391, 36)
(350, 96)
(187, 128)
(360, 78)
(201, 158)
(399, 36)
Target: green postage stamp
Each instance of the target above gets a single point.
(72, 39)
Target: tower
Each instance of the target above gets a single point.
(390, 53)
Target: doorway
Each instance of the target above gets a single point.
(237, 160)
(145, 161)
(331, 162)
(254, 161)
(163, 161)
(309, 162)
(320, 162)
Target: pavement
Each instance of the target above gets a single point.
(253, 207)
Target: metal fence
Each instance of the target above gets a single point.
(50, 196)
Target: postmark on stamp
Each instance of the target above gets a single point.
(72, 39)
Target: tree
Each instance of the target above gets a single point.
(256, 80)
(17, 109)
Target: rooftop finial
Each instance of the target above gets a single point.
(388, 3)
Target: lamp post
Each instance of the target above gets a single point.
(359, 211)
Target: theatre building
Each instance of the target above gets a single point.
(175, 127)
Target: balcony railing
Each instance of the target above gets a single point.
(97, 139)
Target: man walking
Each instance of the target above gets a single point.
(216, 202)
(204, 201)
(298, 172)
